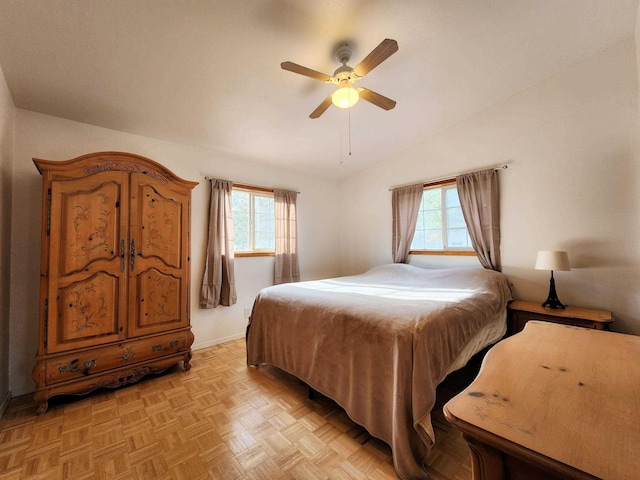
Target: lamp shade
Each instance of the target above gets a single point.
(345, 97)
(551, 260)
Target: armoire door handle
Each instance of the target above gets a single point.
(122, 255)
(133, 255)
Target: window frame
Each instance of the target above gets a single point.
(455, 251)
(257, 191)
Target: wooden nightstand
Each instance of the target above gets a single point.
(521, 312)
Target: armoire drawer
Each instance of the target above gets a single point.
(86, 362)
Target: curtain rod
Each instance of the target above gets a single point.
(250, 186)
(436, 180)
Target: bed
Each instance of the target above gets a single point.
(379, 343)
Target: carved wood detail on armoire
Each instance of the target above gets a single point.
(114, 273)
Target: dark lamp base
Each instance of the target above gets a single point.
(553, 303)
(552, 300)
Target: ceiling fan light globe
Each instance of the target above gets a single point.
(345, 97)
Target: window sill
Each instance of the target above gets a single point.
(460, 253)
(254, 254)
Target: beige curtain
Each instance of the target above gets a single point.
(480, 201)
(286, 261)
(405, 204)
(218, 281)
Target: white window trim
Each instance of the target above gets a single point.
(443, 186)
(253, 192)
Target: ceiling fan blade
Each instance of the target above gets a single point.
(321, 108)
(377, 99)
(295, 68)
(379, 54)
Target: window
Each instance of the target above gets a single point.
(441, 227)
(253, 221)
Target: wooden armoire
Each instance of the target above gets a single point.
(114, 273)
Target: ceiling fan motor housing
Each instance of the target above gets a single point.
(344, 76)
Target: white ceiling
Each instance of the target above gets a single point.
(207, 72)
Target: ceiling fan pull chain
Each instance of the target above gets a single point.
(340, 130)
(349, 131)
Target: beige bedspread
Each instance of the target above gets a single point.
(378, 343)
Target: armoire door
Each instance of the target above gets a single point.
(159, 263)
(87, 290)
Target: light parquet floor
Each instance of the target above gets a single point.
(221, 420)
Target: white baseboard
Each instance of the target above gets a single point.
(5, 403)
(218, 341)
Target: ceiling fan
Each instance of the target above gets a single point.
(344, 77)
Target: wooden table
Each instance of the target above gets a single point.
(554, 401)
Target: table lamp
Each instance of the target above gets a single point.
(550, 260)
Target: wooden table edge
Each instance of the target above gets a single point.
(493, 468)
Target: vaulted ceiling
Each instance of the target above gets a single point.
(207, 72)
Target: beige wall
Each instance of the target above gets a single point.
(7, 115)
(42, 136)
(571, 143)
(573, 183)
